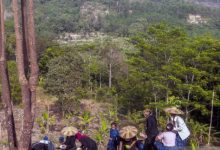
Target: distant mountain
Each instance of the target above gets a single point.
(207, 3)
(126, 17)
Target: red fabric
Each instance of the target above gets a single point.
(79, 136)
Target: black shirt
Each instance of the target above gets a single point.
(151, 127)
(70, 142)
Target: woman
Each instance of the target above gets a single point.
(128, 139)
(166, 140)
(128, 144)
(86, 142)
(179, 126)
(69, 143)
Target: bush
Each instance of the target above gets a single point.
(64, 74)
(68, 103)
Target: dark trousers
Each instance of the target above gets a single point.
(149, 144)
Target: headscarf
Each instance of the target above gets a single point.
(79, 136)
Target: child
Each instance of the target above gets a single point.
(167, 138)
(114, 137)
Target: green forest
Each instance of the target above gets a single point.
(149, 56)
(122, 17)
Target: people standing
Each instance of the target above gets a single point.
(179, 126)
(114, 137)
(151, 129)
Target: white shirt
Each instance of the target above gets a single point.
(180, 127)
(168, 138)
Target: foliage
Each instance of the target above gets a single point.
(15, 88)
(68, 103)
(45, 121)
(14, 83)
(121, 17)
(49, 54)
(85, 120)
(64, 74)
(165, 67)
(199, 133)
(136, 119)
(102, 132)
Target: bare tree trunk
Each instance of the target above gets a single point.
(188, 97)
(210, 124)
(100, 80)
(110, 70)
(155, 100)
(167, 95)
(6, 93)
(110, 75)
(48, 123)
(33, 80)
(25, 34)
(28, 87)
(187, 111)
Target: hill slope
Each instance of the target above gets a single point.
(125, 17)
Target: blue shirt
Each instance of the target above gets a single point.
(114, 133)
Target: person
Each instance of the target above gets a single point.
(151, 130)
(128, 138)
(70, 143)
(139, 144)
(167, 138)
(179, 126)
(61, 140)
(70, 140)
(128, 144)
(114, 137)
(44, 144)
(86, 142)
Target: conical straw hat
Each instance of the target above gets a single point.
(174, 110)
(128, 132)
(69, 131)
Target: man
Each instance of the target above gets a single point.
(151, 130)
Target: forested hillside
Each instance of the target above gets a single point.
(124, 17)
(133, 54)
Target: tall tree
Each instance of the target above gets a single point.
(28, 85)
(24, 33)
(6, 93)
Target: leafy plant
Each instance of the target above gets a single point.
(199, 133)
(85, 120)
(101, 134)
(135, 118)
(45, 121)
